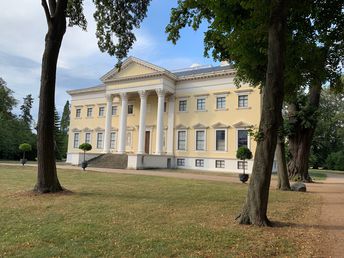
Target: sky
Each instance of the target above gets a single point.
(81, 63)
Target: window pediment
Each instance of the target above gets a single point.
(99, 129)
(220, 125)
(86, 129)
(181, 126)
(242, 124)
(200, 126)
(74, 130)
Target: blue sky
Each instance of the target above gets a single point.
(81, 64)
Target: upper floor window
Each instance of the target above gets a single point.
(100, 140)
(76, 140)
(220, 102)
(243, 101)
(242, 138)
(101, 111)
(130, 109)
(87, 137)
(78, 112)
(114, 110)
(181, 144)
(220, 140)
(182, 105)
(89, 112)
(200, 140)
(201, 104)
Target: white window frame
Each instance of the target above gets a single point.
(242, 107)
(186, 140)
(76, 113)
(237, 137)
(205, 104)
(201, 161)
(99, 108)
(183, 162)
(113, 146)
(102, 141)
(221, 161)
(90, 137)
(91, 113)
(130, 104)
(241, 163)
(112, 109)
(76, 140)
(205, 139)
(221, 96)
(186, 105)
(226, 139)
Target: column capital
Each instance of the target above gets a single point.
(143, 94)
(160, 92)
(109, 97)
(123, 95)
(172, 98)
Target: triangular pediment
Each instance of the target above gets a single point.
(242, 124)
(131, 68)
(181, 126)
(220, 125)
(99, 129)
(200, 126)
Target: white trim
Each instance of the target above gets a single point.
(90, 137)
(226, 140)
(205, 140)
(237, 137)
(186, 139)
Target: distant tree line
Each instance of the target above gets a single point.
(18, 129)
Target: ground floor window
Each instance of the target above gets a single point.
(242, 138)
(76, 140)
(241, 164)
(199, 163)
(100, 140)
(220, 140)
(181, 144)
(219, 163)
(180, 162)
(129, 139)
(112, 140)
(200, 140)
(87, 137)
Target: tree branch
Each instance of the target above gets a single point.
(52, 6)
(46, 11)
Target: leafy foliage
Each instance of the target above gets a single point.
(85, 147)
(335, 160)
(26, 110)
(25, 147)
(8, 102)
(243, 153)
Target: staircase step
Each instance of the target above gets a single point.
(119, 161)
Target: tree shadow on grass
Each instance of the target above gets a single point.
(279, 224)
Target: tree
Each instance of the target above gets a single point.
(85, 147)
(24, 147)
(282, 173)
(65, 120)
(26, 110)
(115, 22)
(58, 138)
(233, 26)
(8, 102)
(243, 153)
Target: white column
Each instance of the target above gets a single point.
(123, 123)
(160, 122)
(108, 124)
(170, 125)
(142, 125)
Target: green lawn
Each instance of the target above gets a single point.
(112, 215)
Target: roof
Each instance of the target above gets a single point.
(100, 87)
(196, 70)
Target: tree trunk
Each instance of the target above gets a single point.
(301, 139)
(255, 207)
(47, 180)
(282, 172)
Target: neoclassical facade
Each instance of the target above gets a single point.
(194, 118)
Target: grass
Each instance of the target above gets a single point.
(114, 215)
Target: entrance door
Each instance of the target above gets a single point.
(147, 141)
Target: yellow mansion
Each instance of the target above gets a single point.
(193, 119)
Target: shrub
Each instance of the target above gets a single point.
(335, 160)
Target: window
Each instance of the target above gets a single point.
(87, 137)
(200, 104)
(130, 109)
(129, 137)
(114, 110)
(199, 163)
(242, 138)
(165, 105)
(76, 140)
(220, 140)
(200, 140)
(112, 140)
(243, 101)
(101, 111)
(182, 105)
(89, 112)
(181, 140)
(180, 162)
(78, 112)
(219, 163)
(99, 140)
(220, 102)
(241, 165)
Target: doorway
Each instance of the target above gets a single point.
(147, 141)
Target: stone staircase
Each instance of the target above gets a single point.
(119, 161)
